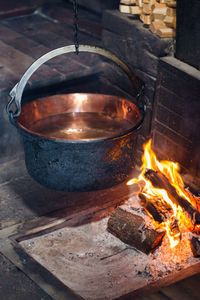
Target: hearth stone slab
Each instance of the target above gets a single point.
(94, 264)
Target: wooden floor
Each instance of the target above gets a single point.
(22, 40)
(187, 289)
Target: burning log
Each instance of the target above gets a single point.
(159, 209)
(195, 245)
(130, 228)
(160, 181)
(174, 228)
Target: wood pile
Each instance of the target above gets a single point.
(160, 15)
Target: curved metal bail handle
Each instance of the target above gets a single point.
(17, 91)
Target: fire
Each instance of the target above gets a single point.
(171, 171)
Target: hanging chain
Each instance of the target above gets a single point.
(76, 41)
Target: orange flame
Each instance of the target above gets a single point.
(171, 171)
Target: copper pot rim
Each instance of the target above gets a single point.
(132, 130)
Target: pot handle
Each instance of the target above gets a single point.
(17, 91)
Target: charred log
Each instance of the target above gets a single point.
(159, 209)
(195, 245)
(159, 180)
(174, 228)
(130, 228)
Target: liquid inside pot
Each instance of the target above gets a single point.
(81, 126)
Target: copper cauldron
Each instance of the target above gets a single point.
(78, 142)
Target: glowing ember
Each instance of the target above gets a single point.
(177, 222)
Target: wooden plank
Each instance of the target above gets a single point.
(32, 40)
(91, 26)
(13, 8)
(12, 60)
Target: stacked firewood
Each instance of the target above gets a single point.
(160, 15)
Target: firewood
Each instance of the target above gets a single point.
(174, 22)
(195, 245)
(146, 9)
(163, 1)
(166, 32)
(128, 2)
(139, 3)
(170, 21)
(171, 3)
(126, 9)
(159, 13)
(155, 25)
(158, 5)
(171, 11)
(130, 228)
(174, 228)
(159, 209)
(146, 19)
(151, 2)
(135, 10)
(159, 180)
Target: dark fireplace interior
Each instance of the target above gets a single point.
(170, 70)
